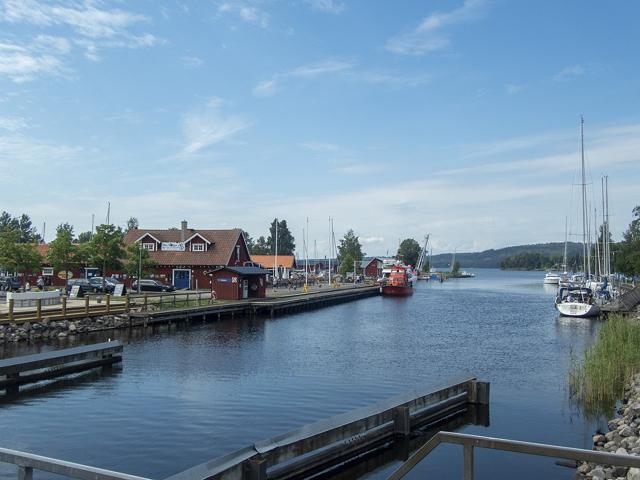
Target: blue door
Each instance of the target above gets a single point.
(181, 278)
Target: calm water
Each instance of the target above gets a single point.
(191, 395)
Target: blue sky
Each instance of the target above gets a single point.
(458, 118)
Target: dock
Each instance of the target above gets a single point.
(265, 306)
(625, 304)
(172, 307)
(27, 369)
(321, 446)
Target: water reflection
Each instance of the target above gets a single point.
(193, 393)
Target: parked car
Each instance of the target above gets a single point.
(109, 284)
(83, 283)
(148, 285)
(10, 284)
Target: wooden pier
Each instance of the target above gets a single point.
(625, 304)
(320, 446)
(26, 369)
(265, 306)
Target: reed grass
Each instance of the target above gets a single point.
(598, 381)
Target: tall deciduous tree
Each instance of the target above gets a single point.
(248, 241)
(62, 254)
(286, 242)
(409, 251)
(18, 257)
(347, 263)
(350, 246)
(106, 250)
(261, 246)
(137, 261)
(627, 256)
(132, 224)
(84, 237)
(26, 231)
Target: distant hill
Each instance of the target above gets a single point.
(492, 258)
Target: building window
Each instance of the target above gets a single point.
(47, 271)
(149, 246)
(238, 252)
(197, 247)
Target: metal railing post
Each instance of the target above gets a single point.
(468, 461)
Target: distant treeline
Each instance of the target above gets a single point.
(493, 258)
(538, 261)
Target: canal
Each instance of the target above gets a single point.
(193, 394)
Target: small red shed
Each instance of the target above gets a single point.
(238, 283)
(372, 268)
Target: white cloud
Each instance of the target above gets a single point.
(360, 168)
(336, 67)
(514, 88)
(371, 240)
(327, 6)
(246, 12)
(192, 61)
(24, 63)
(569, 72)
(209, 126)
(430, 35)
(320, 146)
(12, 124)
(91, 28)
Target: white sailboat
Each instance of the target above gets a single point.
(578, 302)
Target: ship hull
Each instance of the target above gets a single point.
(396, 291)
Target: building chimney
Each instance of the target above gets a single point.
(183, 231)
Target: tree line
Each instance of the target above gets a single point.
(103, 249)
(626, 254)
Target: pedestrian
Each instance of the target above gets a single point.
(40, 283)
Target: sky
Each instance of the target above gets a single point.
(456, 118)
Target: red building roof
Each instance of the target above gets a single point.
(219, 250)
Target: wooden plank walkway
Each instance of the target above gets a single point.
(26, 369)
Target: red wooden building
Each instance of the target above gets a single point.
(184, 256)
(372, 268)
(237, 283)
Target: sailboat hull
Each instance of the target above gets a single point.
(578, 309)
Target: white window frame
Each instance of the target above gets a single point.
(149, 246)
(47, 271)
(198, 247)
(238, 253)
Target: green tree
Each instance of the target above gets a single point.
(409, 251)
(132, 224)
(84, 237)
(138, 259)
(62, 251)
(627, 252)
(26, 231)
(248, 241)
(18, 257)
(106, 250)
(350, 246)
(286, 243)
(346, 264)
(261, 246)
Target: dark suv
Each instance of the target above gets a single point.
(83, 283)
(10, 284)
(151, 286)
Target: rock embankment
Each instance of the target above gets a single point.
(623, 437)
(46, 329)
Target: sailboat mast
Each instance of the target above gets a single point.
(607, 234)
(564, 257)
(584, 200)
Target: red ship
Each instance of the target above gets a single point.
(397, 283)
